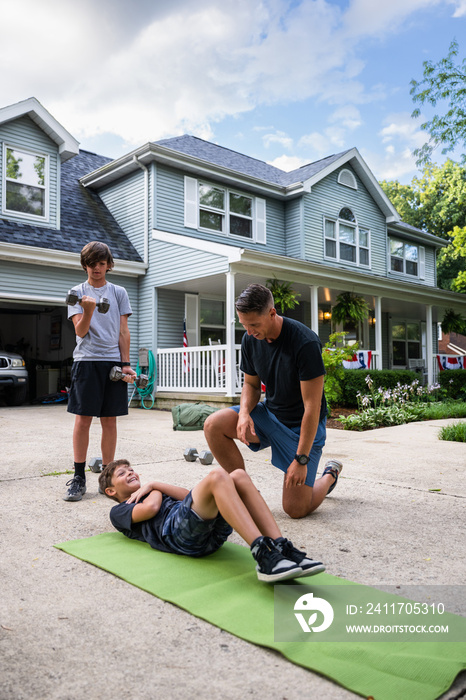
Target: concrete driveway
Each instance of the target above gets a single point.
(72, 631)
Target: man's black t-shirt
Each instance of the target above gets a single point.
(148, 530)
(295, 356)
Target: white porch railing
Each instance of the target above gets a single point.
(196, 369)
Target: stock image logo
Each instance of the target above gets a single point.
(309, 604)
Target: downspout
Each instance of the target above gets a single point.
(146, 208)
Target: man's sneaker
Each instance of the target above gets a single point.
(288, 550)
(77, 489)
(333, 467)
(271, 564)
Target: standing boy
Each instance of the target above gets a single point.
(287, 357)
(196, 523)
(102, 341)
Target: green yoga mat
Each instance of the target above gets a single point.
(223, 589)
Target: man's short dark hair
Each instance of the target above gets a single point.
(254, 299)
(95, 252)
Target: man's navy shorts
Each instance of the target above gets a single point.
(284, 441)
(92, 393)
(185, 532)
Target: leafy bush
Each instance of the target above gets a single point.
(333, 354)
(353, 382)
(456, 432)
(381, 407)
(454, 383)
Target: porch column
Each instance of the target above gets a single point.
(230, 354)
(429, 345)
(314, 309)
(378, 331)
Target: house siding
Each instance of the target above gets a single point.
(170, 315)
(27, 279)
(125, 200)
(174, 263)
(169, 215)
(23, 133)
(294, 227)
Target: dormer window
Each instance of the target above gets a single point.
(345, 241)
(346, 177)
(25, 183)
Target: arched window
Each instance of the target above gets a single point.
(347, 215)
(346, 177)
(345, 241)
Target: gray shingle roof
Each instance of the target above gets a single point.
(226, 158)
(84, 217)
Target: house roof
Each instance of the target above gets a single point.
(84, 217)
(233, 160)
(415, 234)
(204, 158)
(67, 144)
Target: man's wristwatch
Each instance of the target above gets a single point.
(302, 459)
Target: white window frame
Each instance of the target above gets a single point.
(193, 208)
(45, 187)
(337, 222)
(420, 259)
(213, 326)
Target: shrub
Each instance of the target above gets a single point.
(454, 383)
(456, 432)
(333, 354)
(353, 382)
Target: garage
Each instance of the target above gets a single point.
(44, 338)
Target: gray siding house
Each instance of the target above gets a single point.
(190, 225)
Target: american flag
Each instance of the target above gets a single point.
(185, 345)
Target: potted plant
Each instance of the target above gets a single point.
(283, 295)
(350, 307)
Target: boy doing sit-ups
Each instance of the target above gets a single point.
(198, 522)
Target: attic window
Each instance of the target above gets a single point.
(25, 183)
(346, 177)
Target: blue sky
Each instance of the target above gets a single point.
(287, 82)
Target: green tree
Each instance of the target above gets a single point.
(436, 202)
(443, 82)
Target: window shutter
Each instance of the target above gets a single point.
(422, 262)
(190, 202)
(260, 221)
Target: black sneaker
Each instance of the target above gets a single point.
(271, 564)
(288, 550)
(77, 489)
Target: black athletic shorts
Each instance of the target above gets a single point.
(92, 393)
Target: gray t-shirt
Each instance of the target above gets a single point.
(102, 340)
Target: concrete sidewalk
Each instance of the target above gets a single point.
(71, 631)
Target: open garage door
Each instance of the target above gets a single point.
(45, 339)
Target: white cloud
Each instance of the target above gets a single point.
(402, 128)
(288, 163)
(145, 70)
(278, 137)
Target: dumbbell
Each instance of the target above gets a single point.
(95, 465)
(191, 454)
(116, 374)
(72, 298)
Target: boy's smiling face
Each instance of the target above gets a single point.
(125, 482)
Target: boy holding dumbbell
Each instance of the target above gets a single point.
(102, 341)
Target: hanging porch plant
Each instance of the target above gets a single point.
(350, 307)
(453, 322)
(283, 295)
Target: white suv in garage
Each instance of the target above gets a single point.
(13, 378)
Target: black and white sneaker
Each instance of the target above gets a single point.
(77, 488)
(271, 564)
(308, 565)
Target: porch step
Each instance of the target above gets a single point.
(166, 400)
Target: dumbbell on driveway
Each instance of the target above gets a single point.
(72, 298)
(116, 374)
(191, 454)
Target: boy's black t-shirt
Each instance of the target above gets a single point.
(295, 356)
(146, 531)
